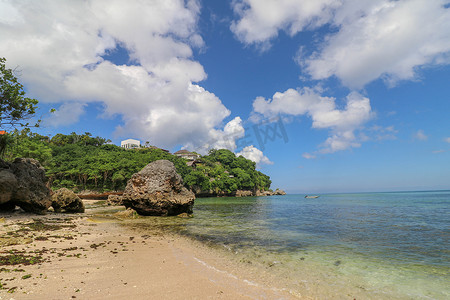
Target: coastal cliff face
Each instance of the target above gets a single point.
(157, 190)
(23, 183)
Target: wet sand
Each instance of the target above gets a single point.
(67, 256)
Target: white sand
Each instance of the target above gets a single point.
(118, 263)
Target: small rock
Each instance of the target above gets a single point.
(185, 215)
(279, 192)
(129, 213)
(114, 200)
(67, 201)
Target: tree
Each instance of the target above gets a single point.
(27, 144)
(15, 108)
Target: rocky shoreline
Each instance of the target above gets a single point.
(198, 194)
(155, 190)
(239, 193)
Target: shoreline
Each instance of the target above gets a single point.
(88, 256)
(91, 195)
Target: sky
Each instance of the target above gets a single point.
(324, 95)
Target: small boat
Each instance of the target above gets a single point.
(311, 197)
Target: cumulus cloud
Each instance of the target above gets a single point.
(371, 39)
(68, 113)
(366, 40)
(447, 139)
(219, 139)
(386, 39)
(260, 20)
(254, 154)
(323, 112)
(420, 135)
(59, 47)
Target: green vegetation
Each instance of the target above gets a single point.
(14, 106)
(222, 171)
(81, 162)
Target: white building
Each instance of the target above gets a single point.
(187, 155)
(130, 144)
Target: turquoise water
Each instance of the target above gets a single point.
(388, 245)
(339, 246)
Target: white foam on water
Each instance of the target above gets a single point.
(215, 269)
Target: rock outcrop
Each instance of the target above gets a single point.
(242, 193)
(157, 190)
(64, 200)
(23, 183)
(279, 192)
(238, 193)
(8, 184)
(114, 200)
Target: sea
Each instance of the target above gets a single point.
(393, 245)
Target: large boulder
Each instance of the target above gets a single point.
(28, 190)
(8, 184)
(64, 200)
(157, 190)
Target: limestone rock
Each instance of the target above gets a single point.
(279, 192)
(185, 215)
(157, 190)
(8, 184)
(28, 190)
(242, 193)
(114, 200)
(263, 193)
(64, 200)
(129, 213)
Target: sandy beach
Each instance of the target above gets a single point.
(84, 256)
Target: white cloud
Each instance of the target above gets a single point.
(371, 39)
(58, 45)
(308, 155)
(68, 113)
(447, 139)
(219, 139)
(260, 20)
(254, 154)
(383, 133)
(385, 39)
(420, 135)
(323, 112)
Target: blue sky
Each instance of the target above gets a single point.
(356, 92)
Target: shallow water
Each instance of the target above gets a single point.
(377, 245)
